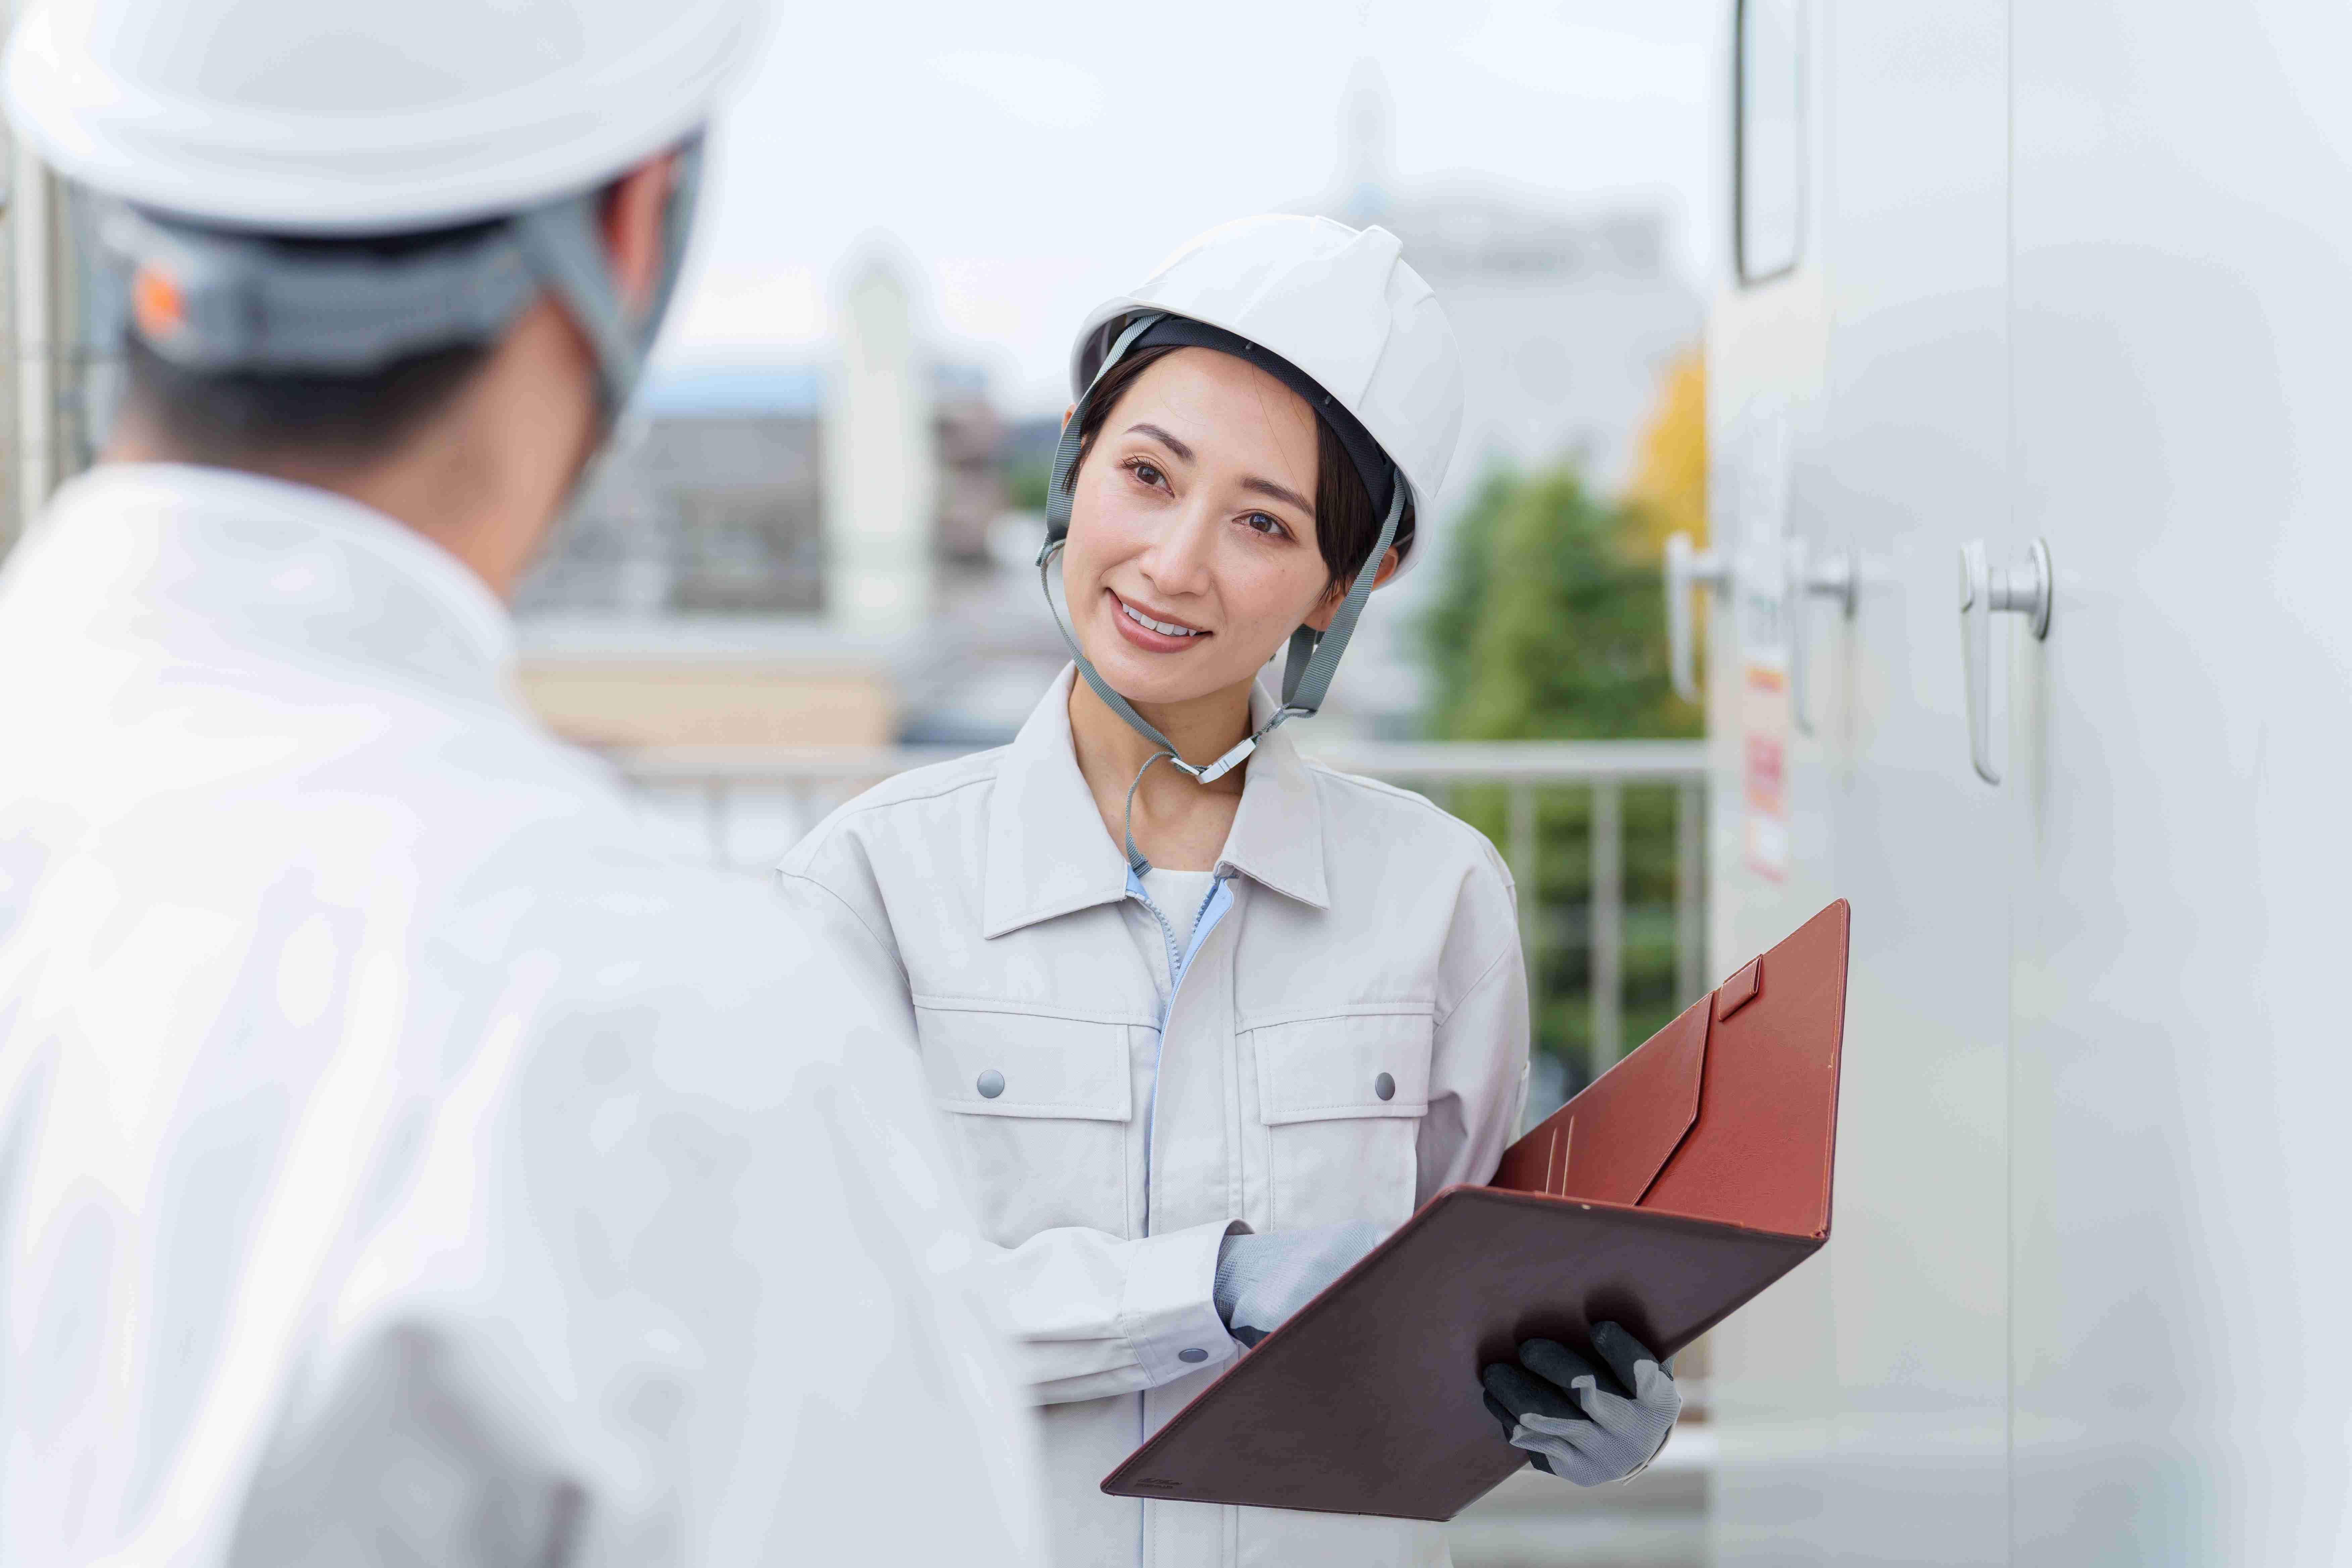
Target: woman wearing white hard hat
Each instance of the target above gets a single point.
(1206, 1020)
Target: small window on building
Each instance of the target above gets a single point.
(1767, 151)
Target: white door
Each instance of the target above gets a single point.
(1914, 458)
(1863, 1401)
(2182, 334)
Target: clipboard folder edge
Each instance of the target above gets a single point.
(1803, 1246)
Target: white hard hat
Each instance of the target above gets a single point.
(327, 117)
(227, 125)
(1340, 304)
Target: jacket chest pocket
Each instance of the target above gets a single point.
(1341, 1100)
(1036, 1111)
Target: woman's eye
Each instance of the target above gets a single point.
(1145, 472)
(1259, 522)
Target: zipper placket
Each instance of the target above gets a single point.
(1179, 965)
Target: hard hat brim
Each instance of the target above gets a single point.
(431, 167)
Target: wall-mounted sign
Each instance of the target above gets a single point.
(1760, 607)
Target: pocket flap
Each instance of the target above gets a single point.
(1024, 1064)
(1323, 1070)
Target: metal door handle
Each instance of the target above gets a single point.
(1687, 567)
(2023, 590)
(1831, 577)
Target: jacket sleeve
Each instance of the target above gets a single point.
(1478, 1064)
(1093, 1315)
(1087, 1313)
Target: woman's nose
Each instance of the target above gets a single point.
(1178, 561)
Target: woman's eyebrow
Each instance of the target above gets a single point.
(1262, 487)
(1163, 437)
(1268, 487)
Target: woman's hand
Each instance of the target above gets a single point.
(1263, 1280)
(1582, 1422)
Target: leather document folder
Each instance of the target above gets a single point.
(1686, 1179)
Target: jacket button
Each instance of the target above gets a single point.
(992, 1084)
(1194, 1356)
(1385, 1087)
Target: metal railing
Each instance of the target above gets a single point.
(749, 803)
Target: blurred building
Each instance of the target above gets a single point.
(708, 502)
(749, 563)
(60, 357)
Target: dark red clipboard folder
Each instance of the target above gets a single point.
(1671, 1192)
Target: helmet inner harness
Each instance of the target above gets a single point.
(218, 300)
(1312, 658)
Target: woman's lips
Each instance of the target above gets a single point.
(1149, 637)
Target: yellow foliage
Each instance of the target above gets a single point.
(1668, 492)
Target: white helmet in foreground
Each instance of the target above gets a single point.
(1336, 314)
(220, 123)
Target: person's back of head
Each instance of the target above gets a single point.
(414, 252)
(334, 417)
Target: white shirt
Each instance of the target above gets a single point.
(399, 1159)
(1344, 1033)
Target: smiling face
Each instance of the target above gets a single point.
(1191, 555)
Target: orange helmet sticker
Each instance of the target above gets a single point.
(156, 303)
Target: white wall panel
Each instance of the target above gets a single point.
(2183, 220)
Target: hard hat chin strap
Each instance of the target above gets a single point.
(1308, 667)
(1314, 658)
(564, 242)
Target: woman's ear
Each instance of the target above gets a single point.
(1073, 408)
(1328, 605)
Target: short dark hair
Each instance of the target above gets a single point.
(241, 415)
(1346, 526)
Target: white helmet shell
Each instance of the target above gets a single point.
(311, 117)
(1342, 304)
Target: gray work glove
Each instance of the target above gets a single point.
(1580, 1422)
(1263, 1280)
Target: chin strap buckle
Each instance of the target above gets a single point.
(1227, 763)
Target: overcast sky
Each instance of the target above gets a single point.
(1024, 161)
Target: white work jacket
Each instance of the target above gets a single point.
(1347, 1034)
(400, 1161)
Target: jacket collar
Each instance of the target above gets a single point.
(190, 556)
(1047, 852)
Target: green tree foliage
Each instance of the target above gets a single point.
(1026, 480)
(1547, 626)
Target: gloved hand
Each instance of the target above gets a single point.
(1262, 1280)
(1578, 1422)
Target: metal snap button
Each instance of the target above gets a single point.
(1195, 1356)
(992, 1084)
(1385, 1087)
